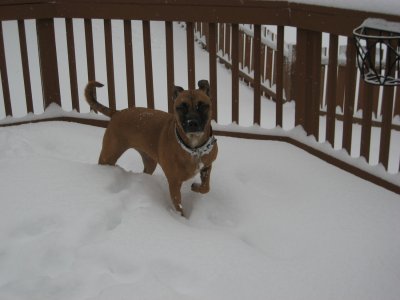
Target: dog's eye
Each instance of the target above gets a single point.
(182, 107)
(201, 106)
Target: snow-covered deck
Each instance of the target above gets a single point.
(277, 224)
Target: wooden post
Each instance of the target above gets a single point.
(279, 77)
(316, 45)
(301, 50)
(48, 62)
(212, 46)
(130, 78)
(257, 74)
(169, 40)
(331, 89)
(109, 63)
(349, 95)
(90, 50)
(148, 65)
(72, 64)
(190, 56)
(4, 76)
(235, 73)
(25, 66)
(387, 114)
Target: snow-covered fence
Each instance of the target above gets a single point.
(305, 84)
(268, 55)
(269, 63)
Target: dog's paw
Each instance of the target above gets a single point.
(198, 188)
(178, 209)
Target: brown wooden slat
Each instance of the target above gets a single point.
(322, 90)
(263, 61)
(387, 113)
(316, 42)
(349, 95)
(72, 64)
(289, 74)
(148, 64)
(4, 76)
(109, 63)
(274, 70)
(340, 86)
(366, 121)
(228, 32)
(268, 75)
(48, 62)
(252, 56)
(25, 66)
(212, 46)
(361, 94)
(301, 50)
(331, 89)
(375, 105)
(221, 37)
(90, 50)
(241, 49)
(235, 73)
(279, 76)
(169, 39)
(257, 74)
(397, 102)
(190, 55)
(247, 53)
(205, 32)
(130, 78)
(309, 76)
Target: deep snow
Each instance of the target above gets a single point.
(277, 224)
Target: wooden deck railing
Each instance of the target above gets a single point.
(269, 62)
(304, 84)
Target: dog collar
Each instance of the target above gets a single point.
(198, 151)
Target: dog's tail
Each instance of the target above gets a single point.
(91, 99)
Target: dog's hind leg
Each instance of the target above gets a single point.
(148, 163)
(110, 157)
(111, 151)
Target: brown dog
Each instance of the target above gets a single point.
(182, 142)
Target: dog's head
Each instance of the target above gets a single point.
(192, 108)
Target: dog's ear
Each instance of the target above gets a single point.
(177, 91)
(204, 86)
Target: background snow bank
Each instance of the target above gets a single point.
(277, 224)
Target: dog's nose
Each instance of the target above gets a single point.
(192, 124)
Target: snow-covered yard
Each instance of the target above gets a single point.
(277, 224)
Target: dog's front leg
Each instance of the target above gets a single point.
(204, 186)
(175, 193)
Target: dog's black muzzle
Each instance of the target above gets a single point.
(193, 125)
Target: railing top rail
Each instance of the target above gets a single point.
(312, 17)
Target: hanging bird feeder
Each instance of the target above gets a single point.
(378, 51)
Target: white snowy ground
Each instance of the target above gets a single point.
(277, 224)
